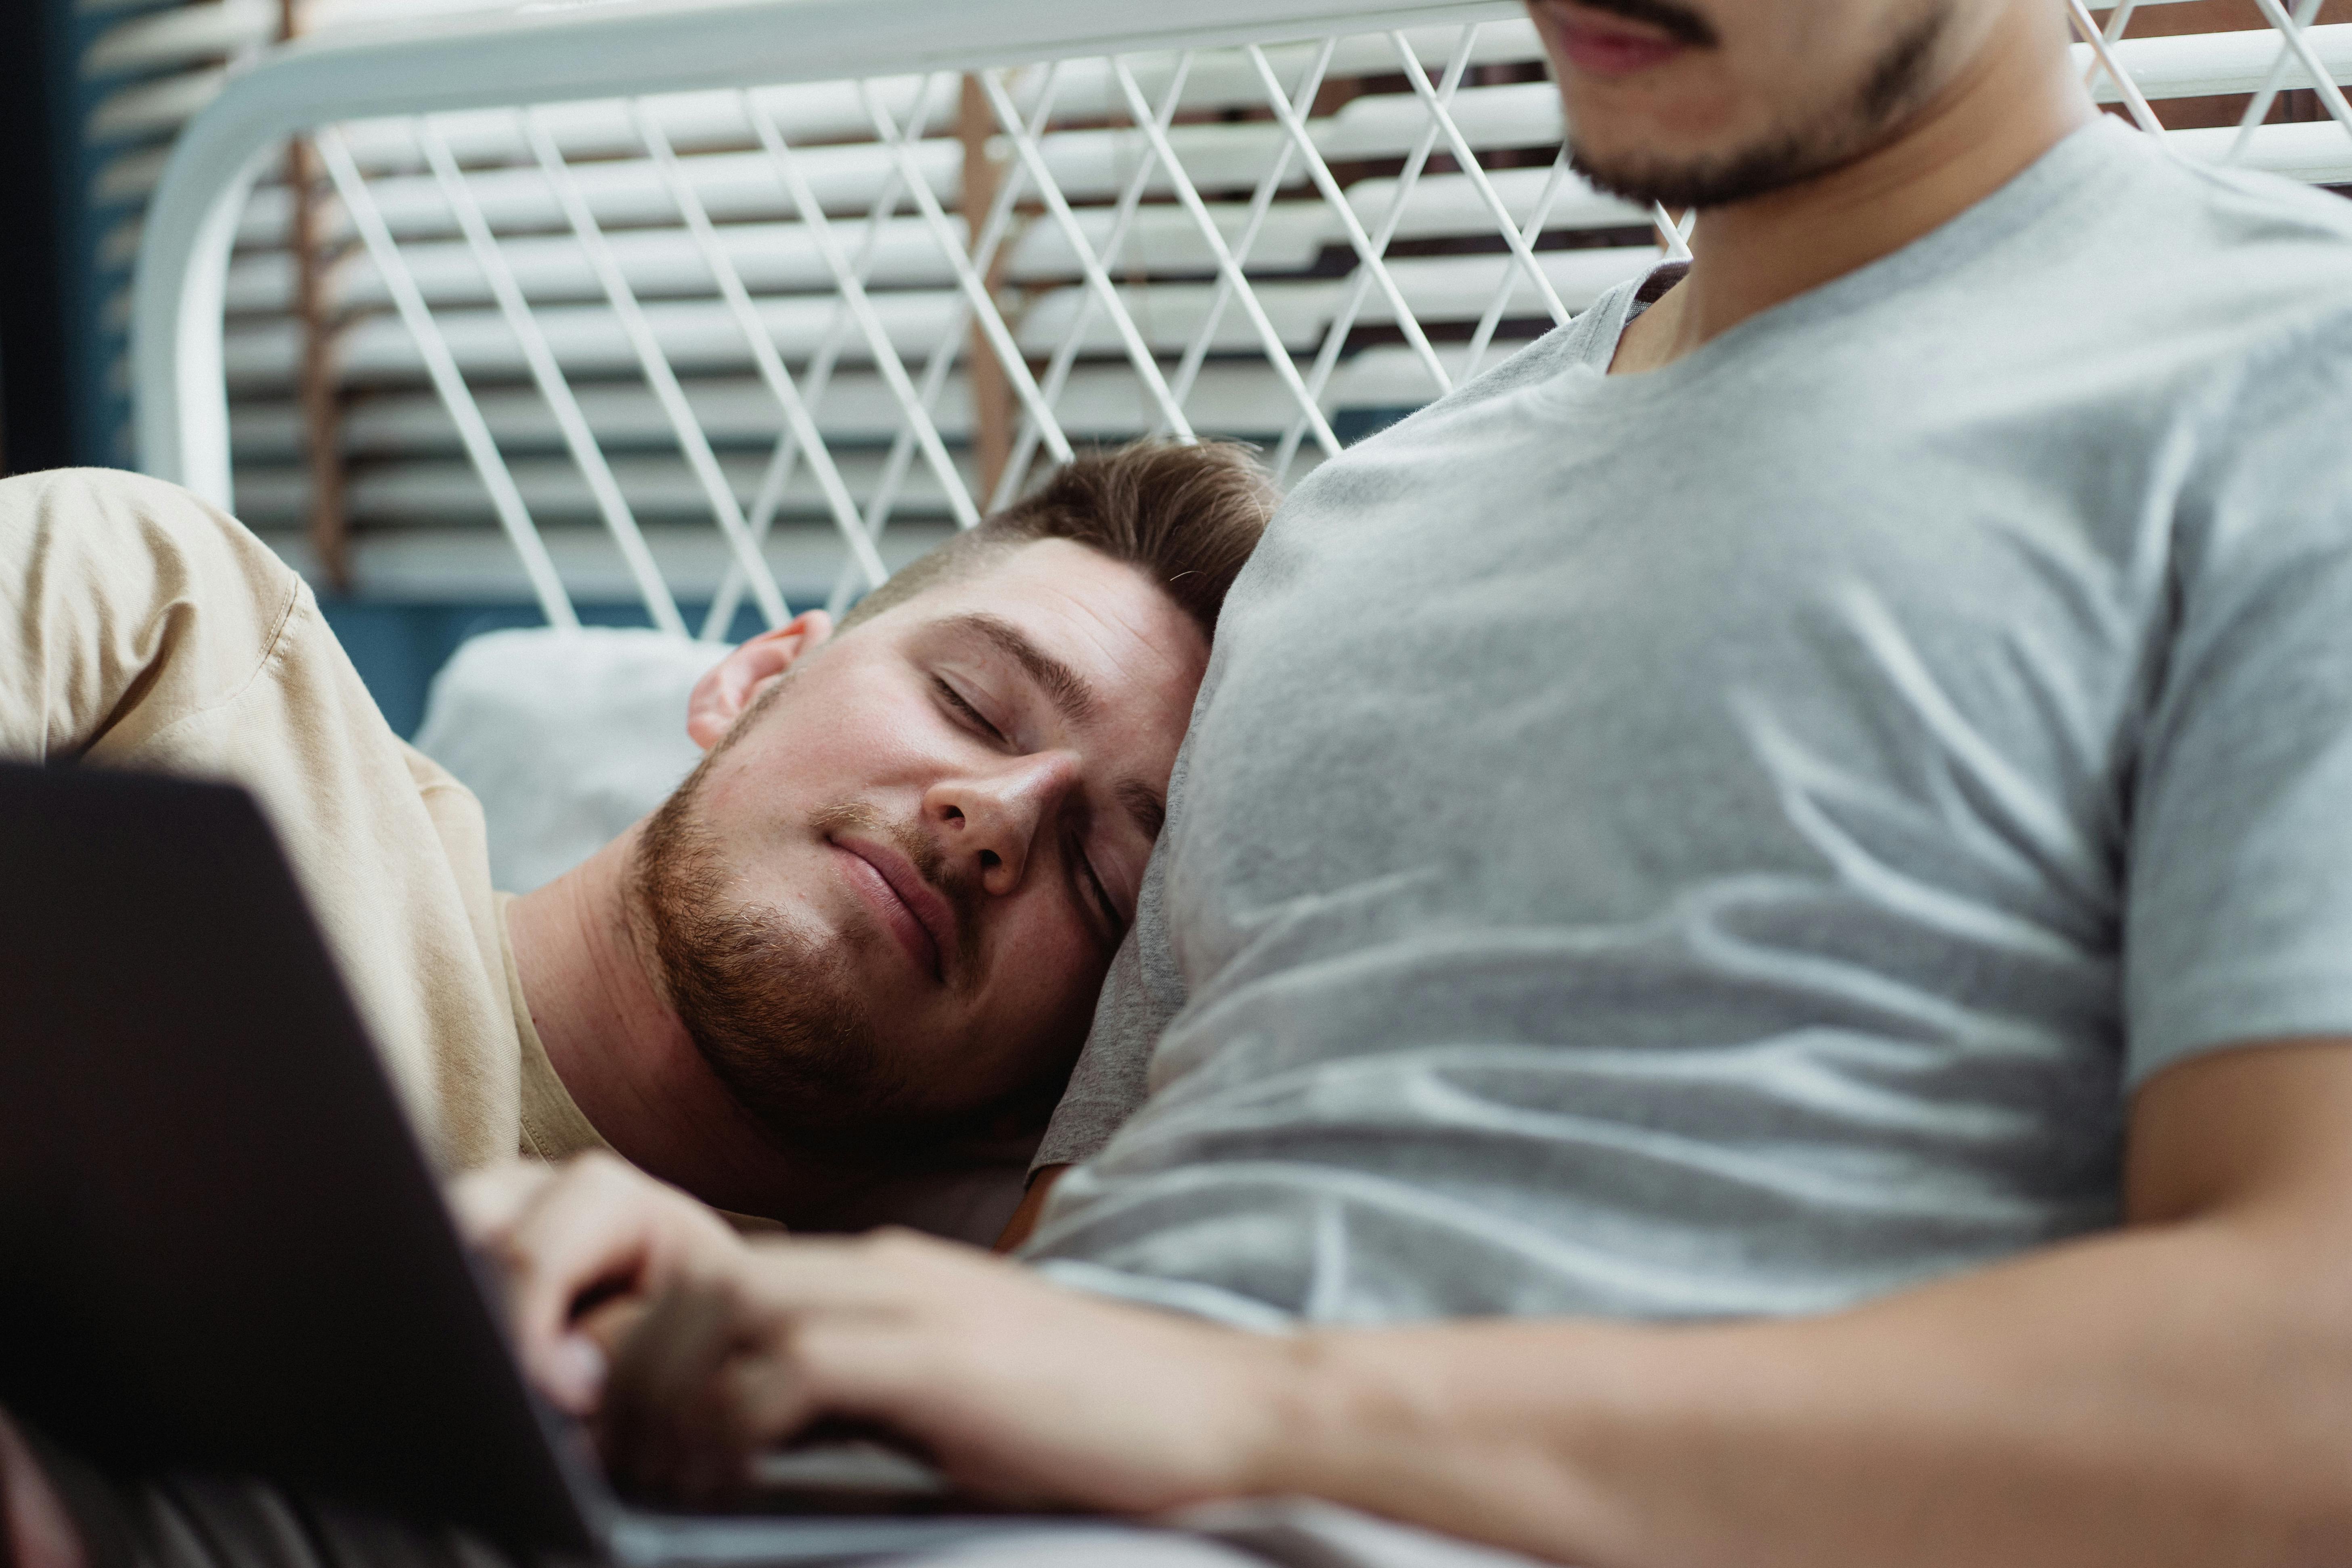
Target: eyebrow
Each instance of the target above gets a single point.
(1065, 686)
(1068, 692)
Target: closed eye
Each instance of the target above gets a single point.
(1113, 923)
(970, 716)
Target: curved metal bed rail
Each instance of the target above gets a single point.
(549, 50)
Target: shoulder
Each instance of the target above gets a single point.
(2185, 308)
(132, 604)
(2251, 204)
(2257, 283)
(2253, 259)
(105, 492)
(126, 534)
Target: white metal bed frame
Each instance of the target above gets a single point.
(568, 49)
(558, 51)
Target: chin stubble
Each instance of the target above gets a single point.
(774, 1014)
(1892, 87)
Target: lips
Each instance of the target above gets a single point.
(915, 915)
(1610, 47)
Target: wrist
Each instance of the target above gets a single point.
(1483, 1431)
(1308, 1427)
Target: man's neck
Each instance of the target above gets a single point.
(2012, 101)
(628, 1064)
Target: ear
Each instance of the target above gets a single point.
(735, 682)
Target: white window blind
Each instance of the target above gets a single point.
(750, 345)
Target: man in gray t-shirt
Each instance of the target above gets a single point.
(1751, 961)
(1729, 841)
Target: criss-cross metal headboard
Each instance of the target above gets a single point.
(691, 299)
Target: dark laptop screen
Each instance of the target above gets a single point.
(220, 1246)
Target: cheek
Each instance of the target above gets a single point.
(832, 741)
(1048, 969)
(1691, 104)
(1804, 62)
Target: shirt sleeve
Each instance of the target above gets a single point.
(1142, 992)
(140, 627)
(2238, 913)
(125, 605)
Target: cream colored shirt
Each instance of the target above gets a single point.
(140, 628)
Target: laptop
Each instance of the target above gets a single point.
(222, 1249)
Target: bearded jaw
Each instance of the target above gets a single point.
(1894, 86)
(775, 1015)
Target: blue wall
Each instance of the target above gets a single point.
(42, 307)
(98, 398)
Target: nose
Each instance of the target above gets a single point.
(988, 822)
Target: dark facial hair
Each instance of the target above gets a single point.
(1891, 88)
(775, 1015)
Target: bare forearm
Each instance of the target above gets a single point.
(2179, 1392)
(2174, 1395)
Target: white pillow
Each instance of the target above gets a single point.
(566, 737)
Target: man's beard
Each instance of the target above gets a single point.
(1892, 87)
(775, 1014)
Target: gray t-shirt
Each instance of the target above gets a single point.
(1727, 840)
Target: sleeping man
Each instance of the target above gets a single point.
(872, 923)
(1751, 960)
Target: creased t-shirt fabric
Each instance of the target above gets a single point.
(140, 628)
(1727, 840)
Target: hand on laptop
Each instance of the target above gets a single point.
(1019, 1390)
(584, 1248)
